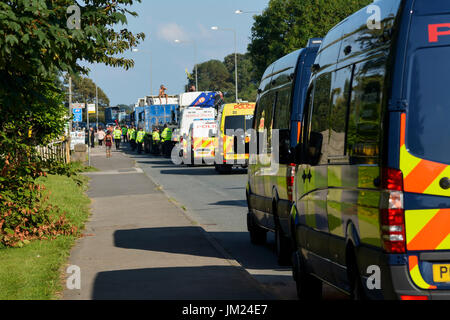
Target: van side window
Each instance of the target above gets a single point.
(319, 132)
(282, 117)
(282, 114)
(340, 93)
(263, 118)
(364, 127)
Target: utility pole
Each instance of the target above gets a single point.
(69, 138)
(235, 55)
(70, 104)
(236, 65)
(96, 103)
(88, 132)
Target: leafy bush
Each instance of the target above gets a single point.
(23, 216)
(36, 48)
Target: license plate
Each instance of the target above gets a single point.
(441, 272)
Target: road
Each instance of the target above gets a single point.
(217, 202)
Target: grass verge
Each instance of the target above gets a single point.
(34, 271)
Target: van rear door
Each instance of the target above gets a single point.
(425, 145)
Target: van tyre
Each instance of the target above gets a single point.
(356, 286)
(258, 235)
(283, 247)
(223, 168)
(308, 286)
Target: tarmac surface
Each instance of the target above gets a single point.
(172, 232)
(139, 245)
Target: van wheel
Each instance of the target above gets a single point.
(192, 162)
(283, 247)
(308, 286)
(258, 235)
(356, 286)
(223, 168)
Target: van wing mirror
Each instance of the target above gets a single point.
(314, 150)
(299, 157)
(284, 145)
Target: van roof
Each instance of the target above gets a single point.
(290, 60)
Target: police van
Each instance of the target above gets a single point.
(188, 116)
(279, 106)
(234, 120)
(372, 188)
(202, 141)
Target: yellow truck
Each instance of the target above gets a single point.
(234, 121)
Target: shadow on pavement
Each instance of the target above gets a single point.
(161, 162)
(178, 240)
(176, 283)
(186, 240)
(188, 171)
(236, 203)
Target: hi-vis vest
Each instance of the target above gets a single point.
(132, 133)
(140, 136)
(155, 136)
(166, 134)
(117, 134)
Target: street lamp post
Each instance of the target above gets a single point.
(195, 60)
(215, 28)
(242, 12)
(151, 68)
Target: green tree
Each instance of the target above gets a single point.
(214, 75)
(287, 25)
(247, 82)
(36, 46)
(83, 91)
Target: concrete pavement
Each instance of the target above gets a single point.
(139, 245)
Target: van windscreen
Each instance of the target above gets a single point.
(235, 122)
(238, 122)
(428, 125)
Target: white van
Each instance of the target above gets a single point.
(201, 142)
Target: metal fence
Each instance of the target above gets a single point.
(58, 150)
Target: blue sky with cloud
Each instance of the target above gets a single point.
(165, 21)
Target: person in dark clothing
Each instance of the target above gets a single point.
(92, 137)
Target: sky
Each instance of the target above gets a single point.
(163, 22)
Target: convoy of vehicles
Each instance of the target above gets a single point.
(234, 120)
(177, 112)
(279, 107)
(349, 169)
(372, 181)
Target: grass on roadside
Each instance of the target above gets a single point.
(34, 271)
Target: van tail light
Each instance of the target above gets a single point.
(393, 217)
(290, 174)
(181, 139)
(413, 298)
(392, 179)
